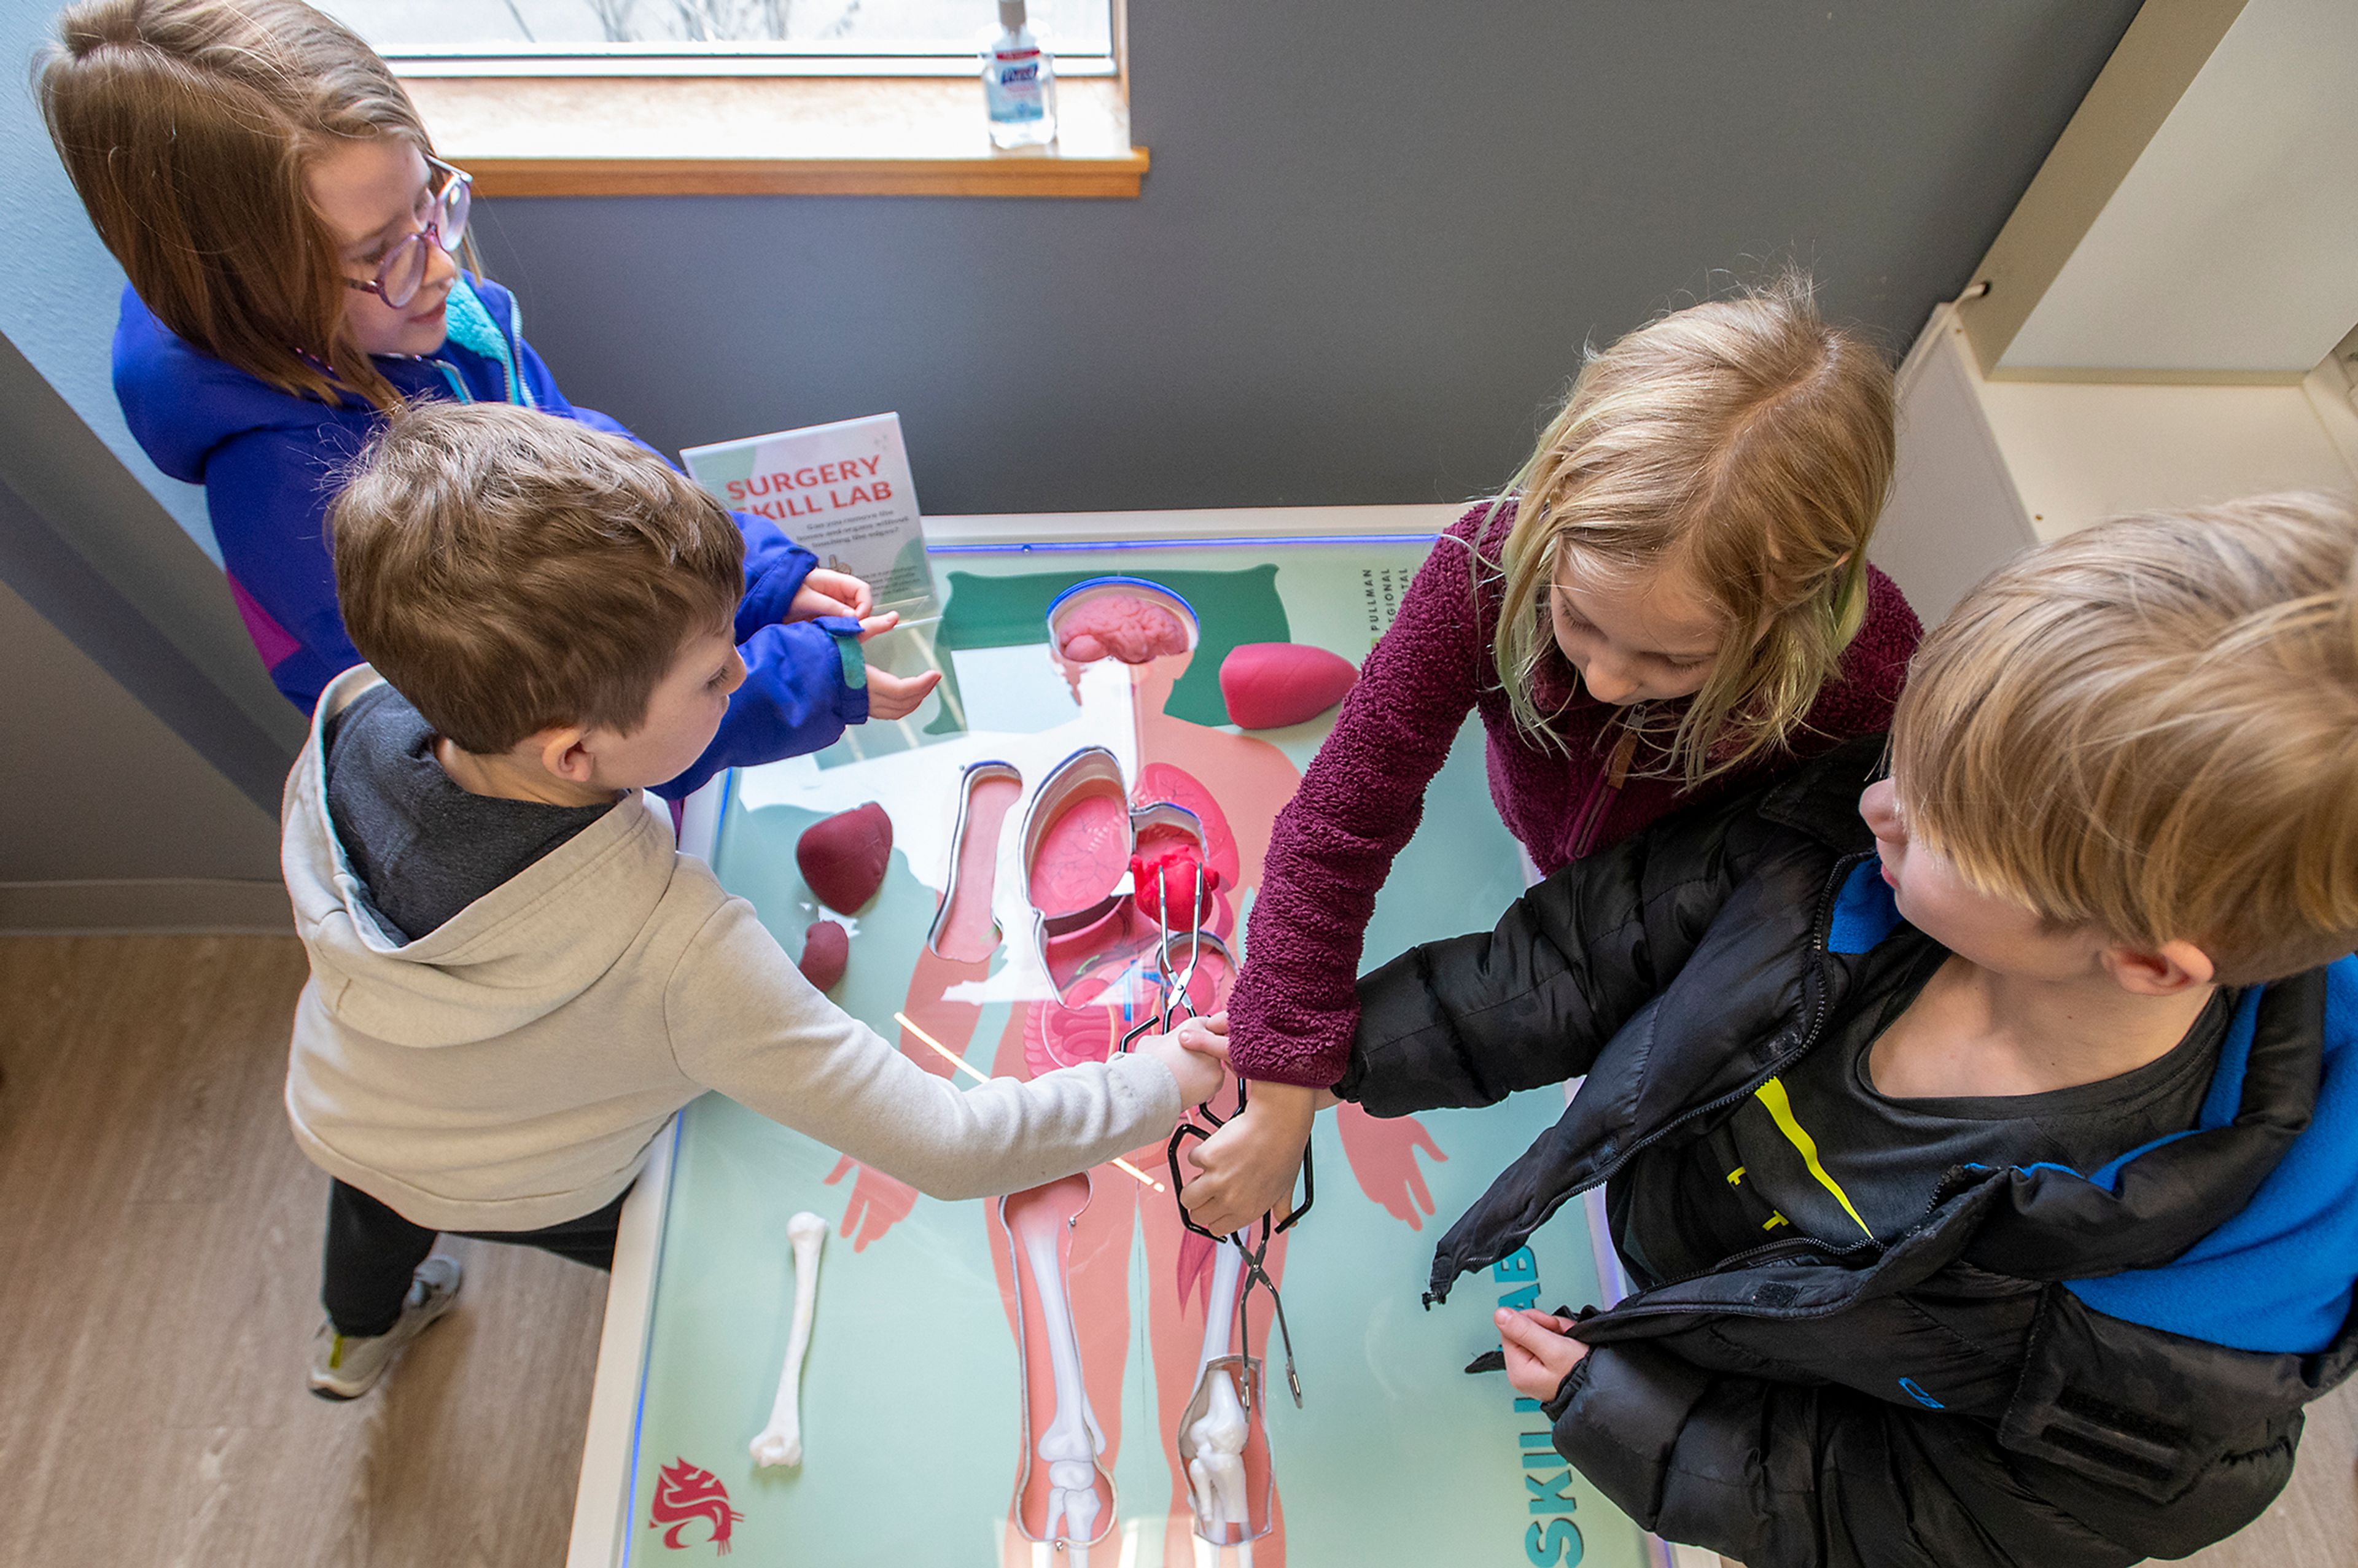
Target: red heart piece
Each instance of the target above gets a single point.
(1165, 870)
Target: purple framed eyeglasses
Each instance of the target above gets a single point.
(403, 272)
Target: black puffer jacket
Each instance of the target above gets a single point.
(1759, 1408)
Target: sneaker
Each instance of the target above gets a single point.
(345, 1367)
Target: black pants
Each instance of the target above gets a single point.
(372, 1251)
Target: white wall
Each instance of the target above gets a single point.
(1953, 513)
(2232, 246)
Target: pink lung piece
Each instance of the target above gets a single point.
(844, 857)
(1120, 625)
(1271, 685)
(1081, 855)
(827, 949)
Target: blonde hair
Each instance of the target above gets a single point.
(1744, 442)
(2151, 726)
(185, 126)
(509, 572)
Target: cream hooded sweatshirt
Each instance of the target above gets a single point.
(508, 1070)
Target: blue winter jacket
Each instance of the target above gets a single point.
(269, 461)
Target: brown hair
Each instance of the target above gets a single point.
(509, 572)
(2151, 726)
(185, 125)
(1744, 442)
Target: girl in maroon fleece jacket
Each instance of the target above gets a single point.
(1670, 603)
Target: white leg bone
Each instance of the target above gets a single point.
(1215, 1440)
(1218, 1471)
(1220, 1304)
(1073, 1440)
(781, 1441)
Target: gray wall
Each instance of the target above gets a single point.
(108, 819)
(82, 752)
(1372, 243)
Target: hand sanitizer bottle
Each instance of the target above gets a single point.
(1019, 83)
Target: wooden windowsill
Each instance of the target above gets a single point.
(769, 137)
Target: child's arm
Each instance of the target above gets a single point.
(804, 683)
(1331, 850)
(1359, 801)
(745, 1022)
(1469, 1021)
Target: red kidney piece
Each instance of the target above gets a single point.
(1271, 685)
(827, 949)
(844, 857)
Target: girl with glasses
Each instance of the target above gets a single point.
(295, 250)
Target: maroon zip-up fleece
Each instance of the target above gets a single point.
(1291, 1015)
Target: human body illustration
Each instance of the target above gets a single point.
(1235, 785)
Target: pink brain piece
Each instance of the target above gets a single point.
(1122, 626)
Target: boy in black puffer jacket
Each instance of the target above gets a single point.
(1983, 1146)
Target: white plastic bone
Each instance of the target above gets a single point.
(1220, 1304)
(781, 1441)
(1216, 1470)
(1073, 1440)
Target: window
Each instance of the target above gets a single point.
(750, 97)
(893, 37)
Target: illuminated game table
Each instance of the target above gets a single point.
(914, 1396)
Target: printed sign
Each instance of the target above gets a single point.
(841, 491)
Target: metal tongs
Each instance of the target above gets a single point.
(1176, 1007)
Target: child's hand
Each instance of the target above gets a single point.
(1247, 1168)
(889, 696)
(1539, 1353)
(897, 697)
(823, 592)
(1193, 1052)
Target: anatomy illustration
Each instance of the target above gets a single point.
(781, 1441)
(1230, 787)
(1065, 1495)
(1083, 830)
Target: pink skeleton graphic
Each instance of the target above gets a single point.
(1236, 785)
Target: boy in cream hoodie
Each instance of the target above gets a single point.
(515, 977)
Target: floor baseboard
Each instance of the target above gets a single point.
(182, 905)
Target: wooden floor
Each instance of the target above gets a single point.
(159, 1276)
(159, 1241)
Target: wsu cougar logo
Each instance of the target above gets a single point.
(685, 1494)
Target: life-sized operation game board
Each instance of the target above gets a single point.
(1022, 1383)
